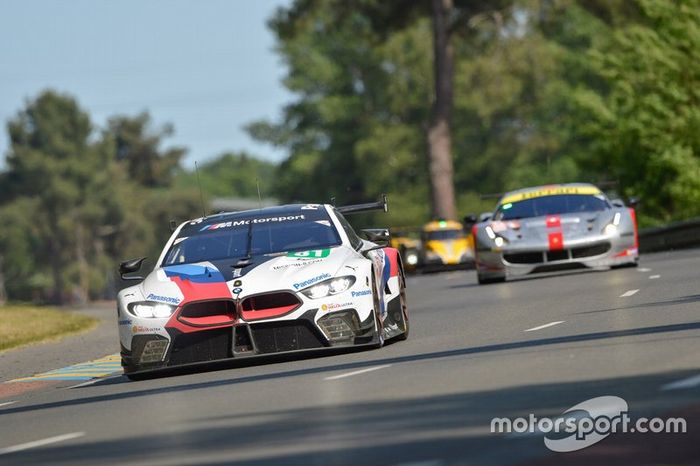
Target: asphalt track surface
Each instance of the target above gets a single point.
(536, 345)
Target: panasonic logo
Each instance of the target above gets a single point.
(164, 299)
(311, 281)
(355, 294)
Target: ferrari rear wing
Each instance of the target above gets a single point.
(382, 204)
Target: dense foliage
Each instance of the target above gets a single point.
(544, 91)
(74, 201)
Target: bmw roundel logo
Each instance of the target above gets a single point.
(237, 290)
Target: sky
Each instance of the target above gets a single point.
(208, 67)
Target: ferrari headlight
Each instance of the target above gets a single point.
(610, 229)
(151, 310)
(499, 241)
(329, 287)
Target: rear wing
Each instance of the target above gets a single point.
(381, 204)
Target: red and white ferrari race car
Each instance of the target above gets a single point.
(281, 279)
(556, 227)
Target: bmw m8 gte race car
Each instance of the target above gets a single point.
(550, 228)
(274, 280)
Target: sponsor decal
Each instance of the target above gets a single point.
(237, 290)
(551, 191)
(245, 222)
(555, 234)
(142, 329)
(296, 263)
(125, 322)
(163, 299)
(237, 272)
(311, 281)
(309, 207)
(355, 294)
(312, 254)
(334, 306)
(325, 223)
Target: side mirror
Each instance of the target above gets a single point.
(469, 220)
(377, 235)
(485, 216)
(633, 202)
(131, 266)
(617, 203)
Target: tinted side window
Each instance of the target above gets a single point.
(355, 240)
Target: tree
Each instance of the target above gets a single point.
(230, 175)
(644, 126)
(54, 165)
(439, 132)
(137, 147)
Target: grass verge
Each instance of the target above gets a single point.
(23, 324)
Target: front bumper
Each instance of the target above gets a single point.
(509, 261)
(241, 340)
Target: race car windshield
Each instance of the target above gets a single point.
(445, 234)
(550, 205)
(227, 240)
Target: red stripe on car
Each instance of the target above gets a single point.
(556, 241)
(553, 221)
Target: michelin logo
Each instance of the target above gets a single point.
(311, 281)
(163, 299)
(355, 294)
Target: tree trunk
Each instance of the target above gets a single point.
(439, 133)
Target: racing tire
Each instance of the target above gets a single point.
(489, 280)
(404, 309)
(628, 265)
(379, 326)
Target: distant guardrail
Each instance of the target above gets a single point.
(677, 235)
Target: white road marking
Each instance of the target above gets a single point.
(629, 293)
(654, 277)
(7, 403)
(690, 382)
(40, 443)
(644, 269)
(551, 324)
(361, 371)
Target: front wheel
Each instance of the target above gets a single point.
(378, 324)
(404, 308)
(489, 280)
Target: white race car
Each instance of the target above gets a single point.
(281, 279)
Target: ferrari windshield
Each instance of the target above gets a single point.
(230, 239)
(445, 234)
(551, 205)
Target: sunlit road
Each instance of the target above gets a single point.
(536, 345)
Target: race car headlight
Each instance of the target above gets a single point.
(329, 287)
(499, 241)
(412, 258)
(151, 310)
(610, 229)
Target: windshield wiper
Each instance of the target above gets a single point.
(247, 259)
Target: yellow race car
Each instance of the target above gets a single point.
(446, 244)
